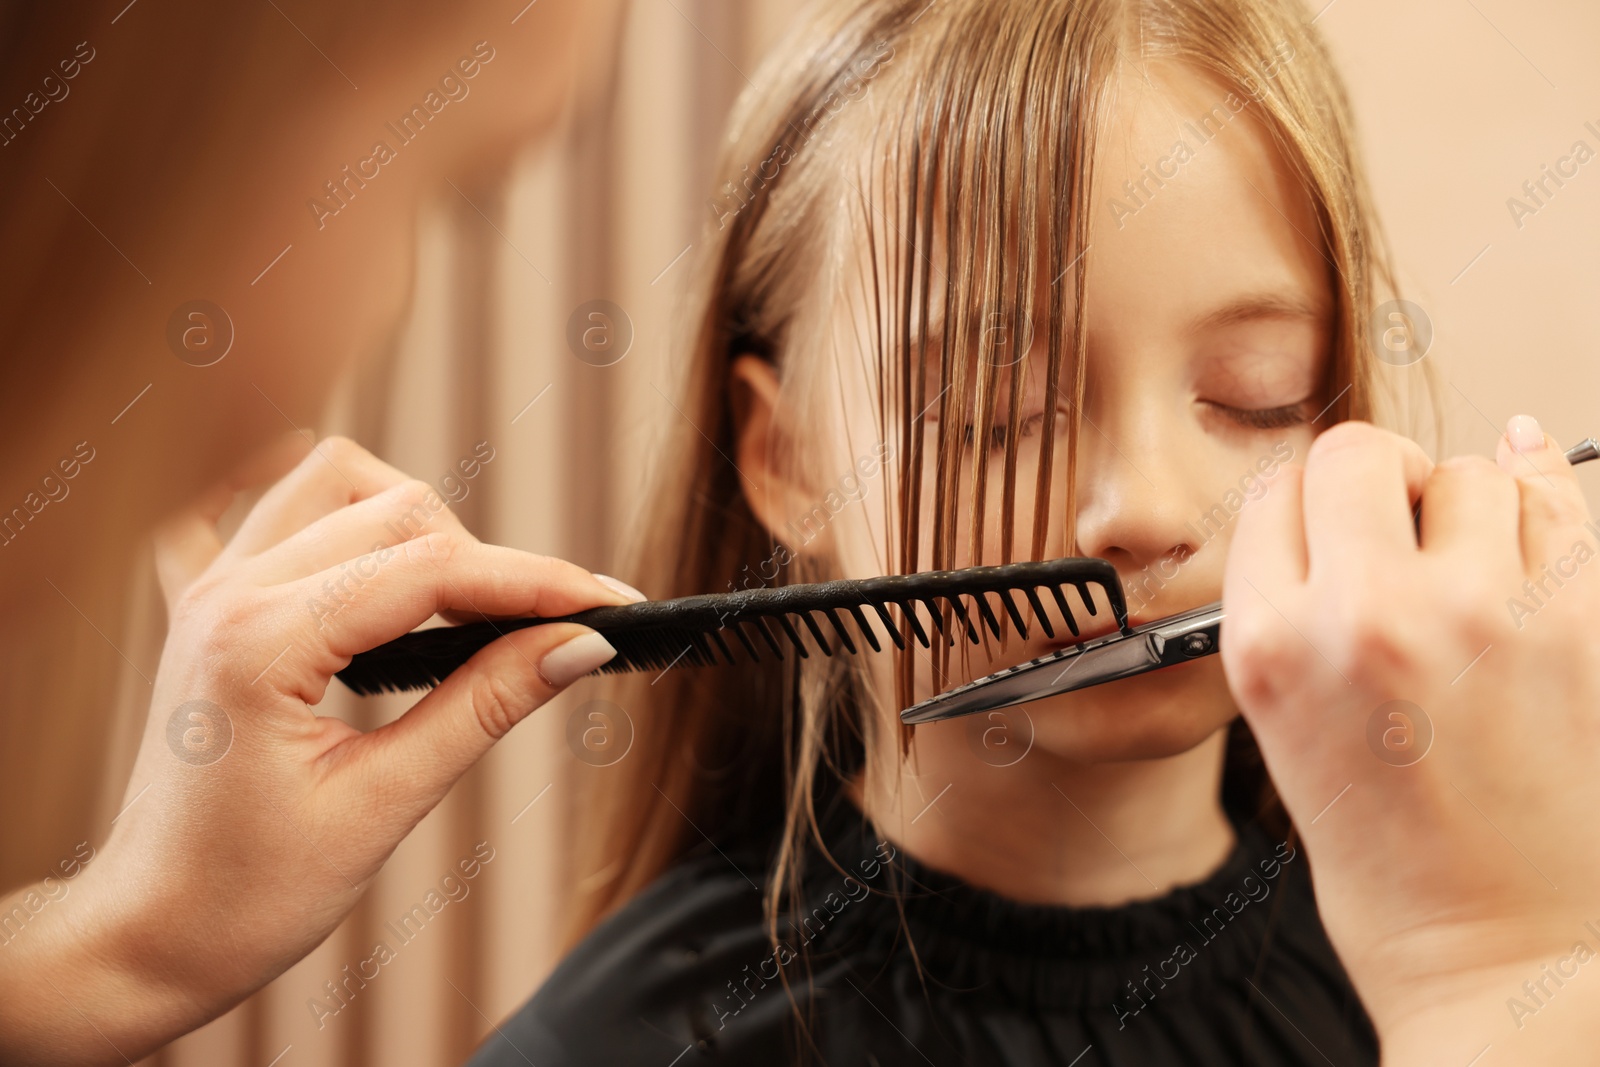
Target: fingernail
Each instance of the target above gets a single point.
(568, 662)
(620, 587)
(1524, 433)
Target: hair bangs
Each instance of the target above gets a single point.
(973, 213)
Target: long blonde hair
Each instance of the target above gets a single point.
(979, 143)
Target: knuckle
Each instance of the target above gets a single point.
(1475, 607)
(1468, 596)
(436, 548)
(1258, 656)
(419, 505)
(224, 618)
(1343, 436)
(1471, 466)
(498, 703)
(237, 611)
(1548, 506)
(1372, 647)
(338, 448)
(414, 492)
(1255, 688)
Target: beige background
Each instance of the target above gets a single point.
(1460, 101)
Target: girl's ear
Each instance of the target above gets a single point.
(761, 444)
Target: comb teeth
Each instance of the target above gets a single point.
(695, 631)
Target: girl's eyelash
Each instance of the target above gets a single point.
(1253, 418)
(997, 432)
(1265, 418)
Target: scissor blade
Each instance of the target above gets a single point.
(1106, 659)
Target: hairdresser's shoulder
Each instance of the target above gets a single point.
(653, 980)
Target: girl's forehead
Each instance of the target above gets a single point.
(1188, 190)
(1194, 208)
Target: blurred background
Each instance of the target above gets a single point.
(1460, 103)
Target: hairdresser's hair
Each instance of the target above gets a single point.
(969, 166)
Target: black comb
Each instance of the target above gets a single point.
(754, 624)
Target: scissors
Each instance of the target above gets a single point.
(1149, 647)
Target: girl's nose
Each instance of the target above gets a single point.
(1133, 499)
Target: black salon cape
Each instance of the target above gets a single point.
(1233, 971)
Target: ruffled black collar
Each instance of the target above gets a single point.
(973, 939)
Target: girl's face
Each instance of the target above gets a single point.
(1210, 317)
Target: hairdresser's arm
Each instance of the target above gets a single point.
(252, 824)
(1459, 880)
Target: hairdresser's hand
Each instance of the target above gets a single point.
(1448, 874)
(253, 824)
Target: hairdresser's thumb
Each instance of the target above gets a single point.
(423, 752)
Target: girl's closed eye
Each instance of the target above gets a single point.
(1250, 418)
(1274, 418)
(1258, 351)
(997, 433)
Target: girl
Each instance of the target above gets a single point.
(1040, 279)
